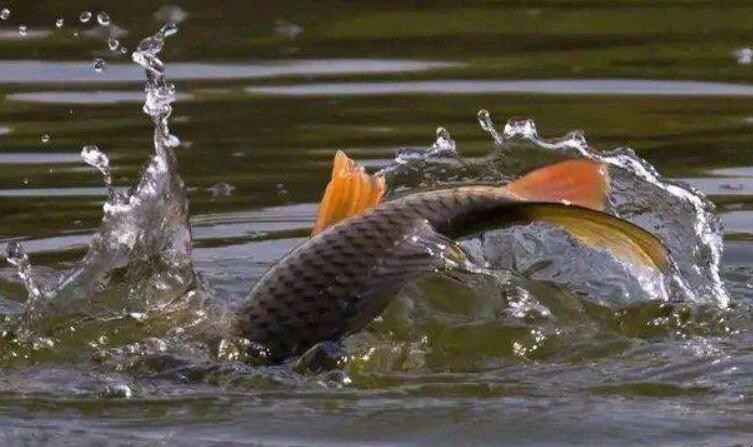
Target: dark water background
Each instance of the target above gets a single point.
(267, 92)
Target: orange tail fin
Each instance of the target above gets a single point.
(350, 192)
(579, 182)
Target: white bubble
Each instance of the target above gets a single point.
(4, 14)
(85, 16)
(45, 138)
(113, 43)
(59, 22)
(22, 30)
(99, 65)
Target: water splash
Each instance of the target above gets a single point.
(680, 215)
(140, 257)
(4, 14)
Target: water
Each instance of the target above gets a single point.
(264, 98)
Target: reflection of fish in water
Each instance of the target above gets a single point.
(362, 252)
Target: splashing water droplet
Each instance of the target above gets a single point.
(22, 30)
(159, 93)
(45, 138)
(444, 145)
(17, 257)
(520, 128)
(60, 22)
(485, 120)
(744, 56)
(169, 29)
(85, 16)
(113, 44)
(287, 29)
(4, 14)
(221, 189)
(103, 18)
(99, 65)
(97, 159)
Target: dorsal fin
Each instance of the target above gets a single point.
(350, 192)
(579, 182)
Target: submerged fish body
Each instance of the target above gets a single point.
(344, 276)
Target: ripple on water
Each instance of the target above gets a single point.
(548, 86)
(36, 72)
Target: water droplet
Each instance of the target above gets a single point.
(97, 159)
(113, 43)
(4, 14)
(103, 18)
(520, 128)
(444, 145)
(22, 30)
(17, 257)
(744, 56)
(85, 16)
(99, 65)
(485, 120)
(169, 29)
(59, 22)
(123, 50)
(221, 189)
(45, 138)
(118, 390)
(287, 29)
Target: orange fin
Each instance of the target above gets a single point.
(579, 182)
(350, 192)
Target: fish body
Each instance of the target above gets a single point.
(340, 279)
(344, 276)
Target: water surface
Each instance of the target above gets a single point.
(266, 94)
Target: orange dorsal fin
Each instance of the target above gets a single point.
(580, 182)
(350, 192)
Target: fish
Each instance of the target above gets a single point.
(364, 250)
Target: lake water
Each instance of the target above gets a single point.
(266, 92)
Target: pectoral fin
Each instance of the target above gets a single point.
(350, 192)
